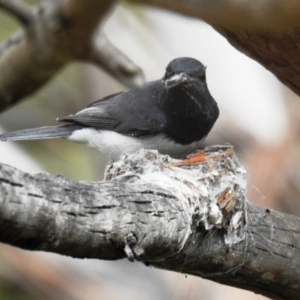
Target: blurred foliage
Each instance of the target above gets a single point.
(10, 291)
(8, 23)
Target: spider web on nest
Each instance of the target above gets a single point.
(211, 192)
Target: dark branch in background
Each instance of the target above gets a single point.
(267, 32)
(60, 32)
(103, 54)
(186, 217)
(19, 10)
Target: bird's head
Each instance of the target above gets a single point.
(183, 69)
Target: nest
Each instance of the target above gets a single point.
(210, 184)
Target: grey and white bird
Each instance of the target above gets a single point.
(172, 115)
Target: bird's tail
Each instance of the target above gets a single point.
(48, 132)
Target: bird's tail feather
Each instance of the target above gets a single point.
(40, 133)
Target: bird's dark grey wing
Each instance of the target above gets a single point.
(106, 98)
(134, 112)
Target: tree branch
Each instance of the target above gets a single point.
(268, 32)
(114, 62)
(61, 32)
(186, 217)
(19, 10)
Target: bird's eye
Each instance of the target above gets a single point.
(202, 77)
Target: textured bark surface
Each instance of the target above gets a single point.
(190, 218)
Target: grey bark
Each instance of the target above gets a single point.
(185, 217)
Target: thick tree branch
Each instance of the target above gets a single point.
(190, 218)
(268, 15)
(61, 32)
(268, 32)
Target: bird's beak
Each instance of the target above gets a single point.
(175, 80)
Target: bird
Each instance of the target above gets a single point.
(172, 115)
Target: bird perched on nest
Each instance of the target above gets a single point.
(172, 115)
